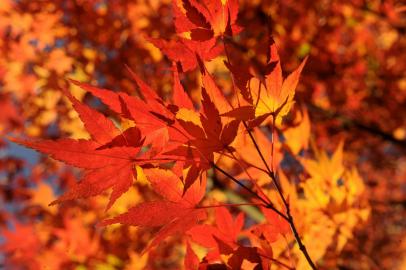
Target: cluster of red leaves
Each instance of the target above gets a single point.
(172, 140)
(170, 132)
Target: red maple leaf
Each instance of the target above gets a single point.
(206, 19)
(175, 213)
(108, 157)
(226, 231)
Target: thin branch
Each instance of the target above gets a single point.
(290, 219)
(250, 177)
(266, 204)
(269, 171)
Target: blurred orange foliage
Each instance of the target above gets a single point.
(196, 96)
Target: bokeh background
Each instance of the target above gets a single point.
(353, 88)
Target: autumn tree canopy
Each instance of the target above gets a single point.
(212, 134)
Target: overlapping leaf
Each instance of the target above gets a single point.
(271, 96)
(175, 213)
(207, 19)
(108, 158)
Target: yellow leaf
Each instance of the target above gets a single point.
(276, 96)
(297, 137)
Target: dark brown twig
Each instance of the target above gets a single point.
(266, 204)
(290, 219)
